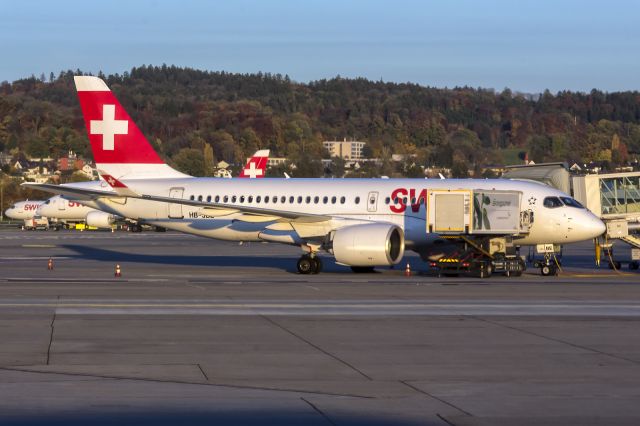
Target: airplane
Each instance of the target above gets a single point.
(23, 209)
(62, 209)
(362, 223)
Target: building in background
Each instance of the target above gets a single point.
(347, 150)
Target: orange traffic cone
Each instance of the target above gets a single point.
(50, 264)
(118, 272)
(407, 271)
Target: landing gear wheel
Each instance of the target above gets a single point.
(317, 265)
(362, 269)
(307, 265)
(547, 270)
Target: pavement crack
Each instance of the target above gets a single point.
(553, 339)
(319, 411)
(182, 382)
(316, 347)
(203, 373)
(52, 326)
(430, 395)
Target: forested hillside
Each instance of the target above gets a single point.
(181, 110)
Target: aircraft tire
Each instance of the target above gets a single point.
(317, 265)
(547, 270)
(306, 265)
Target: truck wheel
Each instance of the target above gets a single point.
(634, 265)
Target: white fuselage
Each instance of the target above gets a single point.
(346, 201)
(65, 210)
(23, 209)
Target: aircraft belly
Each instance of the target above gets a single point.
(220, 229)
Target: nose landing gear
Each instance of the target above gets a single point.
(309, 264)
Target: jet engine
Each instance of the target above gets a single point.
(100, 219)
(371, 244)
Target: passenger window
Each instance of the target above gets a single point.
(333, 199)
(342, 200)
(274, 199)
(316, 199)
(299, 199)
(199, 197)
(226, 198)
(387, 200)
(291, 199)
(242, 198)
(325, 200)
(552, 202)
(258, 199)
(217, 198)
(357, 200)
(234, 199)
(193, 197)
(266, 199)
(571, 202)
(283, 199)
(251, 198)
(308, 200)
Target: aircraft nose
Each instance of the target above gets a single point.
(593, 226)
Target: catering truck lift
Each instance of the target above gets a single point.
(478, 226)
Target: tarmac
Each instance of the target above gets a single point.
(198, 331)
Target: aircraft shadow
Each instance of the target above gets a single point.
(285, 263)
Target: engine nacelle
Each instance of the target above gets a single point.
(100, 219)
(371, 244)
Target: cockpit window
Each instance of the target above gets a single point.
(552, 202)
(47, 202)
(568, 201)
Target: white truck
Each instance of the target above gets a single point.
(36, 222)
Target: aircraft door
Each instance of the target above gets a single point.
(62, 203)
(372, 202)
(175, 210)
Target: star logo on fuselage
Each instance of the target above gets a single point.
(532, 201)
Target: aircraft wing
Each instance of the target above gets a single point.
(251, 214)
(77, 193)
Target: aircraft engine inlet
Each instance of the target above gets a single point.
(371, 244)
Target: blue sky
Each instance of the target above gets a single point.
(525, 45)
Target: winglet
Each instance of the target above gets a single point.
(120, 188)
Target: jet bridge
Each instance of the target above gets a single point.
(615, 198)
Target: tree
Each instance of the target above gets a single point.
(459, 170)
(190, 161)
(208, 160)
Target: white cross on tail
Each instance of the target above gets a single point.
(109, 126)
(251, 171)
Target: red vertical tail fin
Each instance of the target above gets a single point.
(119, 147)
(256, 166)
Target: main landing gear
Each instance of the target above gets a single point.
(308, 264)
